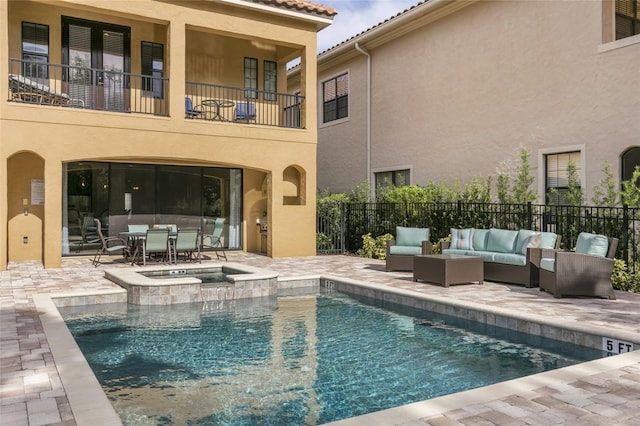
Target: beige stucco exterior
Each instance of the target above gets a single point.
(204, 41)
(457, 88)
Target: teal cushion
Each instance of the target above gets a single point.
(548, 264)
(548, 240)
(407, 250)
(461, 238)
(527, 239)
(594, 244)
(480, 239)
(501, 240)
(411, 236)
(510, 259)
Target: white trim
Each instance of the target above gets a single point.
(321, 22)
(617, 44)
(542, 179)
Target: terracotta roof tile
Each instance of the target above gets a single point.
(301, 5)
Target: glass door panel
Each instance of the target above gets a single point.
(113, 78)
(80, 74)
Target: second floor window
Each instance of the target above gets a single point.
(35, 50)
(270, 80)
(251, 78)
(153, 65)
(627, 18)
(335, 98)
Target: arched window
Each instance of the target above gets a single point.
(630, 159)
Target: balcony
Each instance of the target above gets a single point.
(240, 105)
(65, 86)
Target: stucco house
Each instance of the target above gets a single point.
(156, 112)
(449, 90)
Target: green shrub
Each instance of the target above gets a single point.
(436, 247)
(374, 248)
(323, 242)
(622, 279)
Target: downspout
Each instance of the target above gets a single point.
(371, 183)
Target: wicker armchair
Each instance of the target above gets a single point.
(579, 273)
(408, 243)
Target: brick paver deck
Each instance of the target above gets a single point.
(605, 391)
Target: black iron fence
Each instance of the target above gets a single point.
(340, 227)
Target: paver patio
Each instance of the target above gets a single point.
(605, 391)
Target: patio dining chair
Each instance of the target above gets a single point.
(214, 240)
(191, 111)
(245, 111)
(187, 243)
(109, 245)
(156, 242)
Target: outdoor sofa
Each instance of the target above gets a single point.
(408, 242)
(508, 255)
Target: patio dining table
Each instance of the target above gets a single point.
(217, 105)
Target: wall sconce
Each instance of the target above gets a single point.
(135, 188)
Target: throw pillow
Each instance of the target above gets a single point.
(532, 241)
(461, 239)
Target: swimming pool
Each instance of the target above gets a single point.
(307, 359)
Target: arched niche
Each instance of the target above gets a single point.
(293, 186)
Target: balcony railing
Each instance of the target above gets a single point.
(86, 88)
(240, 105)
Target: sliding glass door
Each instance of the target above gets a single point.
(121, 194)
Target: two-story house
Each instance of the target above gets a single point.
(156, 112)
(450, 90)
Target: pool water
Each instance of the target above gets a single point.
(207, 276)
(299, 360)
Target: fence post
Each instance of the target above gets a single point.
(625, 233)
(343, 225)
(529, 216)
(459, 212)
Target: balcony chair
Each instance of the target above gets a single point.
(245, 111)
(109, 245)
(156, 242)
(408, 243)
(190, 111)
(187, 243)
(585, 272)
(214, 240)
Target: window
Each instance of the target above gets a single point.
(557, 175)
(392, 178)
(251, 78)
(35, 50)
(630, 160)
(270, 80)
(627, 18)
(335, 97)
(153, 65)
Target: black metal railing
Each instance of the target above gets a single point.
(240, 105)
(86, 88)
(340, 227)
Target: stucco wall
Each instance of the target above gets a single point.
(456, 98)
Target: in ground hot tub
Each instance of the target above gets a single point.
(193, 283)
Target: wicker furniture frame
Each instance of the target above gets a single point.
(404, 262)
(526, 275)
(447, 269)
(578, 274)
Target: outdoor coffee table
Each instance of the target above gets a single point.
(446, 269)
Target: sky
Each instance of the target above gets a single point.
(355, 16)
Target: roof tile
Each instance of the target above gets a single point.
(301, 5)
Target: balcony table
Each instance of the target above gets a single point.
(217, 105)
